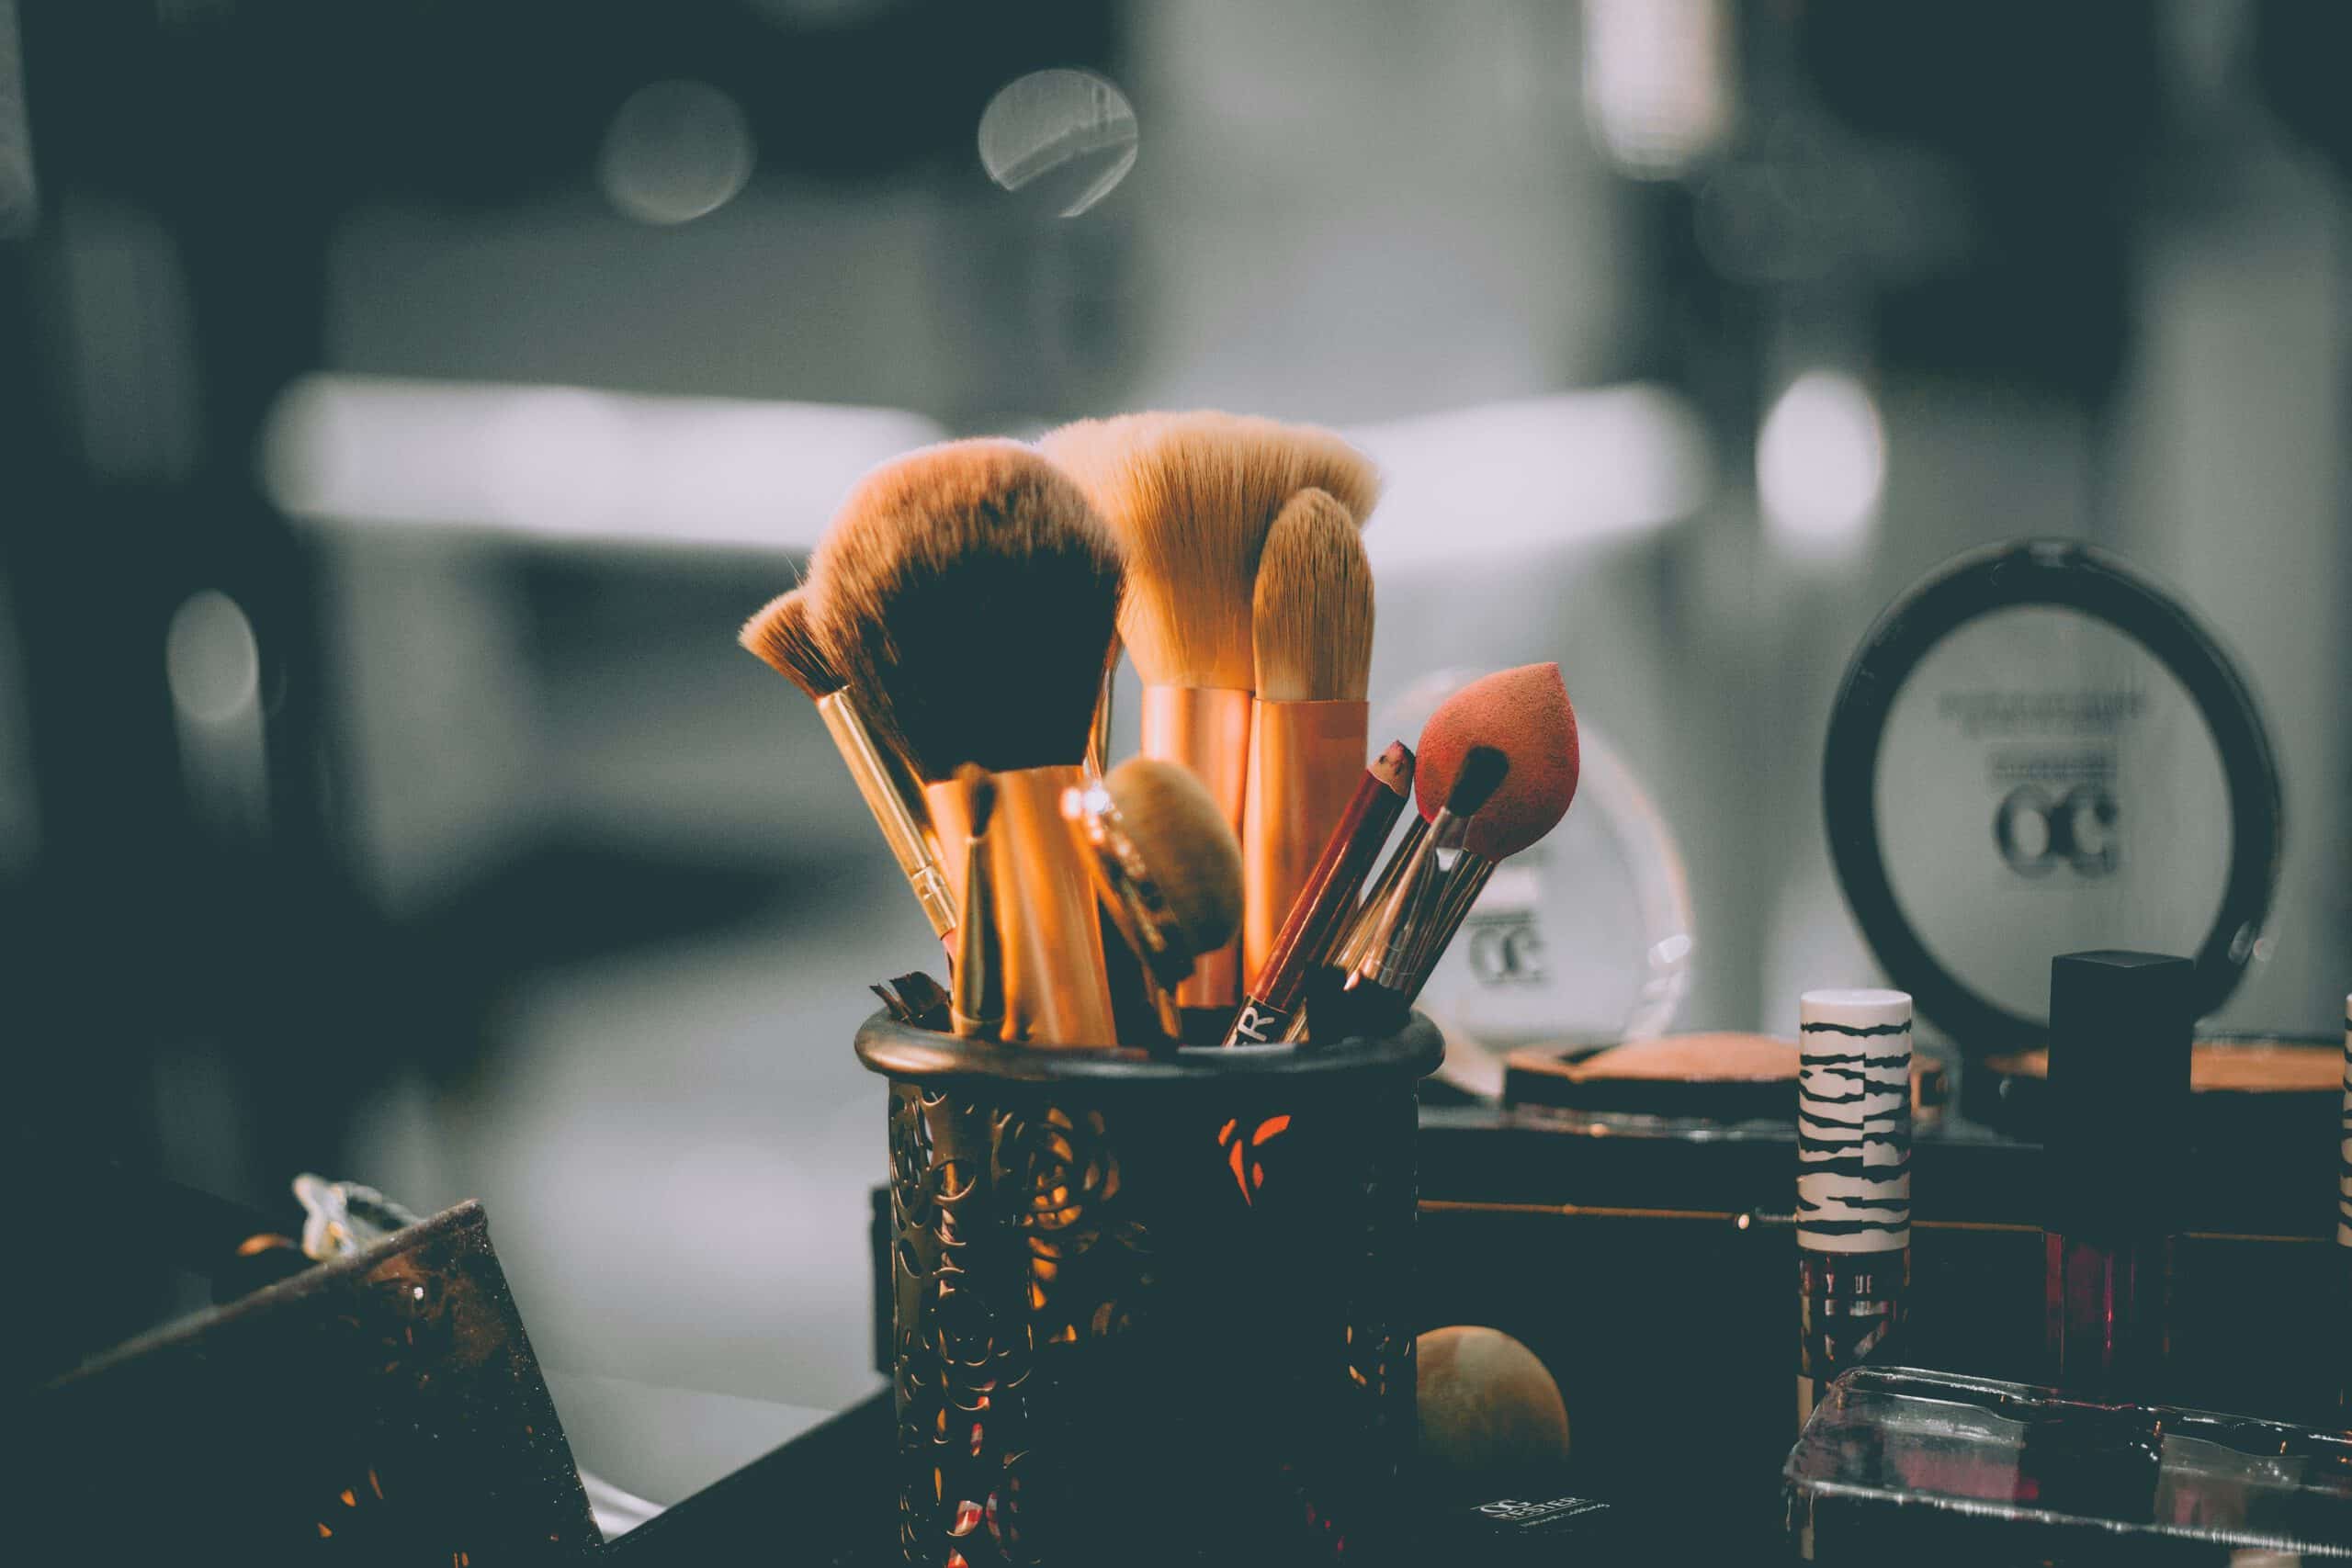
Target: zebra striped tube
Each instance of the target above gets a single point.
(2344, 1178)
(1853, 1181)
(1854, 1121)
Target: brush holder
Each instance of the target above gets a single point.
(1151, 1310)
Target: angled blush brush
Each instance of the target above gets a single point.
(1190, 497)
(782, 637)
(970, 592)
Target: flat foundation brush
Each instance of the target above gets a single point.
(782, 637)
(1311, 626)
(1190, 497)
(970, 593)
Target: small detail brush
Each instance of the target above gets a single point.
(1525, 714)
(1311, 625)
(979, 1002)
(1373, 992)
(971, 593)
(1190, 497)
(1325, 902)
(1168, 870)
(782, 638)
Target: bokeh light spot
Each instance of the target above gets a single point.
(1072, 131)
(675, 152)
(1821, 464)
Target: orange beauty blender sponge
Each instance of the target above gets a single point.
(1524, 713)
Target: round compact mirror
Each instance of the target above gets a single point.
(2036, 751)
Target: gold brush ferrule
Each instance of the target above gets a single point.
(1133, 899)
(1349, 950)
(976, 1005)
(1206, 729)
(898, 810)
(1049, 939)
(1304, 762)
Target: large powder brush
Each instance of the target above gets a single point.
(970, 594)
(1190, 497)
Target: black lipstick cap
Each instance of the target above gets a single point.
(2117, 1134)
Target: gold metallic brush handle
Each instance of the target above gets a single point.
(897, 811)
(1206, 729)
(1049, 940)
(1304, 762)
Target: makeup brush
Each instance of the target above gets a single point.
(1190, 497)
(1167, 867)
(1080, 449)
(978, 1000)
(1269, 1009)
(1374, 991)
(782, 637)
(1311, 625)
(1525, 714)
(970, 593)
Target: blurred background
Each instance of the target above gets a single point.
(402, 403)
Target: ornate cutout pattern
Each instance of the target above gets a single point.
(1084, 1358)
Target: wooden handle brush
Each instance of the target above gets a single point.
(970, 594)
(1190, 497)
(1311, 625)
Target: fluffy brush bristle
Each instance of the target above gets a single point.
(1312, 615)
(784, 641)
(1187, 844)
(1191, 496)
(971, 594)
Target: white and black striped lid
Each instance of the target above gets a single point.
(1854, 1121)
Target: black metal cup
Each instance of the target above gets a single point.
(1151, 1310)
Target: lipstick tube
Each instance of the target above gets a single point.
(1853, 1182)
(1049, 939)
(1304, 762)
(2119, 1027)
(1206, 729)
(898, 811)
